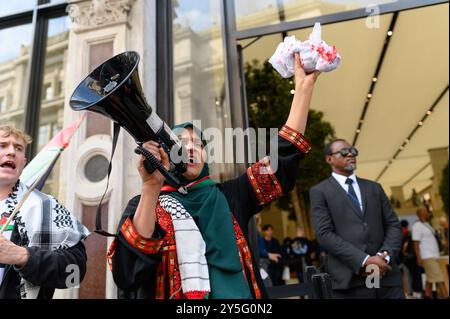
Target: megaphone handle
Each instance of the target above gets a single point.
(151, 163)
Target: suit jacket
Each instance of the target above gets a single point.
(349, 235)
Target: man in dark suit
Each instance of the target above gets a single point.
(355, 223)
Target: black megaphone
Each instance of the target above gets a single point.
(114, 90)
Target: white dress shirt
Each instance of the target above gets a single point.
(341, 180)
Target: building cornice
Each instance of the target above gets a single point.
(93, 14)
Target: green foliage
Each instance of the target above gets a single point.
(443, 189)
(269, 98)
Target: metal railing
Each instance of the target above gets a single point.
(317, 285)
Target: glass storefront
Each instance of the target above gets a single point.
(198, 68)
(25, 73)
(398, 117)
(14, 63)
(52, 93)
(12, 7)
(252, 14)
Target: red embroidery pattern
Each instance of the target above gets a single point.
(295, 138)
(165, 221)
(168, 268)
(160, 276)
(110, 254)
(264, 182)
(146, 246)
(245, 257)
(169, 262)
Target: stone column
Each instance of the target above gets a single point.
(439, 158)
(397, 194)
(100, 29)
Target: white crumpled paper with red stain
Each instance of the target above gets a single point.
(315, 54)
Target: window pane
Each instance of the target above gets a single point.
(10, 7)
(43, 136)
(14, 59)
(252, 14)
(199, 79)
(52, 98)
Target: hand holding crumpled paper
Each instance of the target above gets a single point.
(315, 54)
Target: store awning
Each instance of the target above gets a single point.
(412, 79)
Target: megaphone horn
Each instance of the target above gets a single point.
(114, 90)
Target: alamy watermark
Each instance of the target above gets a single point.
(73, 278)
(373, 19)
(373, 277)
(233, 146)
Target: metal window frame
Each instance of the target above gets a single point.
(164, 61)
(38, 17)
(331, 18)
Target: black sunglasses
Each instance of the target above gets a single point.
(347, 150)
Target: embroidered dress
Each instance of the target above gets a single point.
(176, 265)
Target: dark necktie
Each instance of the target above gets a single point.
(352, 193)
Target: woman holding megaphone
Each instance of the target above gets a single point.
(194, 244)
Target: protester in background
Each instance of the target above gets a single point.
(426, 245)
(273, 247)
(443, 222)
(265, 258)
(408, 257)
(403, 259)
(300, 249)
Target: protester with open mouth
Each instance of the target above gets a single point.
(195, 245)
(43, 238)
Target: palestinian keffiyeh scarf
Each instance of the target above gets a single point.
(204, 211)
(41, 222)
(191, 250)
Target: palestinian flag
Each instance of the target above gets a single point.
(42, 164)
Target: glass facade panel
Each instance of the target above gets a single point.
(14, 62)
(252, 14)
(199, 74)
(52, 98)
(11, 7)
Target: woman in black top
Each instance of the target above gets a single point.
(172, 245)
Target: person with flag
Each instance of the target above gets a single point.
(41, 242)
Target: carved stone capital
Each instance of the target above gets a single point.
(92, 14)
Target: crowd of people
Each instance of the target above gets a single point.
(286, 262)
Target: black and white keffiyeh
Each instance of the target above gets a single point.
(190, 247)
(42, 222)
